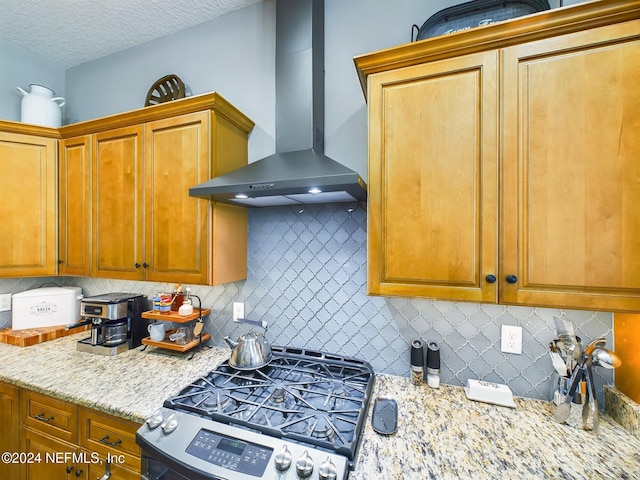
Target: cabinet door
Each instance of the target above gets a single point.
(28, 217)
(74, 249)
(176, 158)
(572, 170)
(54, 459)
(9, 419)
(432, 219)
(118, 204)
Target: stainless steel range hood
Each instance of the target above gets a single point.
(299, 172)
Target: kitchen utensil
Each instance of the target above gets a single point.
(597, 343)
(251, 351)
(417, 362)
(558, 363)
(40, 107)
(384, 418)
(590, 397)
(602, 357)
(564, 409)
(156, 331)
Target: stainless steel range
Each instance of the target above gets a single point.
(301, 416)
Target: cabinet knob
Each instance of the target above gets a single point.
(145, 265)
(69, 469)
(512, 279)
(137, 265)
(60, 261)
(490, 278)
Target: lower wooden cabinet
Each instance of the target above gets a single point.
(58, 440)
(48, 457)
(109, 437)
(10, 421)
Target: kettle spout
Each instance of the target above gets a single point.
(230, 342)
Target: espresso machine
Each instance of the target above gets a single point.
(116, 322)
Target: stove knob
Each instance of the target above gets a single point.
(155, 420)
(304, 465)
(283, 459)
(328, 470)
(170, 424)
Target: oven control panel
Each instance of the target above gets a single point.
(243, 457)
(194, 447)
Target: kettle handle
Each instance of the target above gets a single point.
(58, 98)
(259, 323)
(21, 91)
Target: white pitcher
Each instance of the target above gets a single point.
(40, 107)
(156, 331)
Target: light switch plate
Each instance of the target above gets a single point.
(511, 341)
(5, 302)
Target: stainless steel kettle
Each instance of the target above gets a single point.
(250, 352)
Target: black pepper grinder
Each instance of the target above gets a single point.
(417, 362)
(433, 365)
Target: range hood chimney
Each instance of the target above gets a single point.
(299, 172)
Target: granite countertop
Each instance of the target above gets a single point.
(440, 434)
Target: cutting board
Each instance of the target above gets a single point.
(32, 336)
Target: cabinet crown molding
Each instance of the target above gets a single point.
(208, 101)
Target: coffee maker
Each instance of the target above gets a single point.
(116, 322)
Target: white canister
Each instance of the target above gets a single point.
(40, 107)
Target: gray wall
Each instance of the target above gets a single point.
(19, 68)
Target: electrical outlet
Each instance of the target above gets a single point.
(238, 311)
(5, 302)
(511, 341)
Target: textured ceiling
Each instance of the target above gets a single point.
(71, 32)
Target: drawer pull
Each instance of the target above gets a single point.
(106, 441)
(42, 418)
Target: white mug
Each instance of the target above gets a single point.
(156, 330)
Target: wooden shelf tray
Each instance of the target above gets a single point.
(169, 345)
(173, 316)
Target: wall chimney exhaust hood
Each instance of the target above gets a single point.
(299, 172)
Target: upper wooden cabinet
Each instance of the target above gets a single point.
(74, 221)
(118, 203)
(29, 193)
(143, 224)
(433, 179)
(504, 162)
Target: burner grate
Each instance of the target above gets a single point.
(305, 396)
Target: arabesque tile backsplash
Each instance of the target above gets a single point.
(307, 279)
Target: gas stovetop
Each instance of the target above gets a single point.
(306, 396)
(306, 409)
